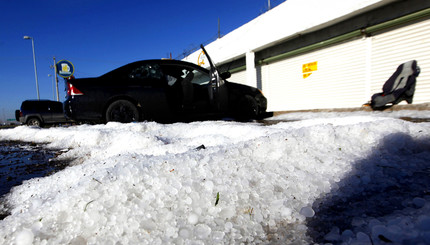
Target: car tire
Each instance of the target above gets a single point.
(122, 111)
(34, 122)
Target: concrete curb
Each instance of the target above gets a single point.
(415, 107)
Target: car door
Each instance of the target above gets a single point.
(218, 92)
(56, 112)
(188, 88)
(147, 85)
(43, 109)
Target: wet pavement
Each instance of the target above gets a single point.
(415, 120)
(20, 161)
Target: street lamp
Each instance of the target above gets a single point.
(53, 85)
(34, 61)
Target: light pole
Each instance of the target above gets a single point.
(53, 86)
(56, 78)
(34, 61)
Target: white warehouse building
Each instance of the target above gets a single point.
(321, 54)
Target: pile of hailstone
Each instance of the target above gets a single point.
(350, 180)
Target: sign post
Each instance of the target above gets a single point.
(56, 79)
(64, 69)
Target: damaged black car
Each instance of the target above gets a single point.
(162, 91)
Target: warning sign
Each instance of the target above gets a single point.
(309, 68)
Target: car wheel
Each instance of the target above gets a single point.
(122, 111)
(34, 122)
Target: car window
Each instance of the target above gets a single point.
(200, 78)
(35, 106)
(56, 107)
(173, 73)
(26, 106)
(43, 106)
(146, 71)
(176, 72)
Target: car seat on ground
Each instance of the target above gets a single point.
(400, 86)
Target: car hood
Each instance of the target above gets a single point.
(242, 87)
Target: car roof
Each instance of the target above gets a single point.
(40, 101)
(168, 62)
(160, 62)
(37, 104)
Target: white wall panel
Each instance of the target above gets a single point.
(348, 73)
(302, 16)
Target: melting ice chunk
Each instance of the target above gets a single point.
(308, 212)
(25, 237)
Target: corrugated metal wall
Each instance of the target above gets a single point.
(347, 74)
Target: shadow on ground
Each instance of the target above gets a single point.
(381, 184)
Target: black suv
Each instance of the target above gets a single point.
(40, 112)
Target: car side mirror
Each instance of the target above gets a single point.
(225, 75)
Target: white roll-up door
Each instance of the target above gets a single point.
(337, 79)
(238, 77)
(395, 47)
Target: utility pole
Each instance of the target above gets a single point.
(34, 61)
(219, 30)
(268, 4)
(56, 79)
(53, 86)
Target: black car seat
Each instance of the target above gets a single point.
(400, 86)
(187, 89)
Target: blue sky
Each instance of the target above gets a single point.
(100, 35)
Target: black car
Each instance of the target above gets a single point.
(164, 91)
(41, 112)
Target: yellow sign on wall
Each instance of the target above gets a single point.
(309, 68)
(201, 59)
